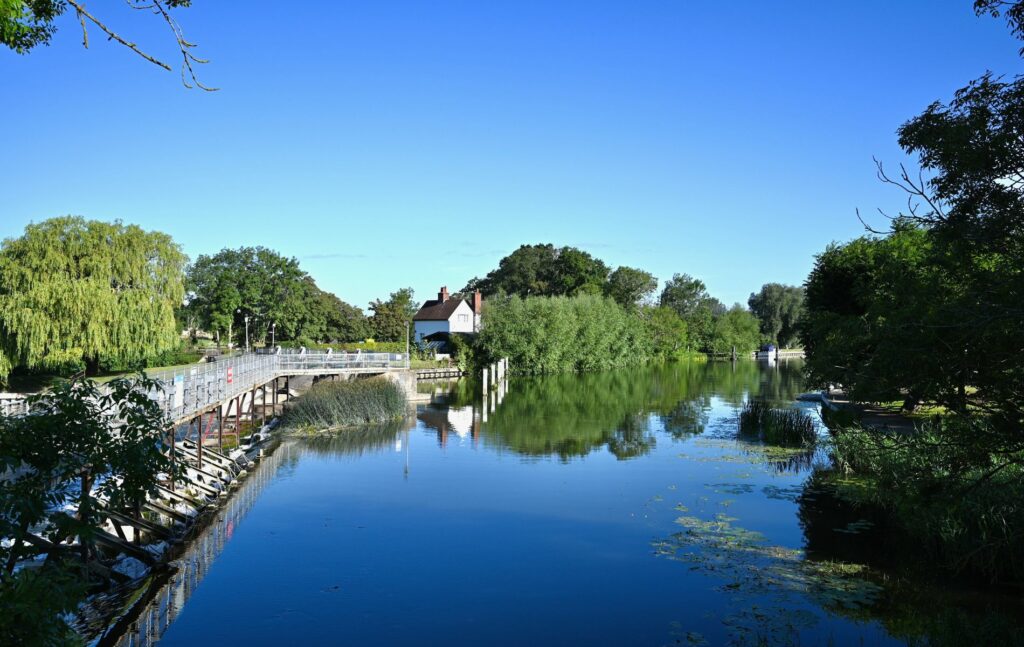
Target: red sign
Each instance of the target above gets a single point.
(230, 375)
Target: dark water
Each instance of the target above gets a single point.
(613, 509)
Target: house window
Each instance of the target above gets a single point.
(463, 318)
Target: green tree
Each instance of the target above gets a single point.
(778, 307)
(343, 322)
(684, 294)
(667, 332)
(391, 319)
(690, 300)
(878, 321)
(736, 328)
(75, 290)
(630, 286)
(557, 334)
(543, 270)
(931, 310)
(577, 272)
(81, 449)
(26, 24)
(258, 283)
(526, 271)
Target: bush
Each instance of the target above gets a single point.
(955, 488)
(330, 405)
(783, 427)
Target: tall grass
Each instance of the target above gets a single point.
(783, 427)
(346, 404)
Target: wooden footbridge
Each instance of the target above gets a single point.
(240, 393)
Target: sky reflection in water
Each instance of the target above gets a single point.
(605, 509)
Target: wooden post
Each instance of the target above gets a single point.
(275, 395)
(238, 420)
(485, 381)
(174, 432)
(199, 444)
(263, 404)
(220, 427)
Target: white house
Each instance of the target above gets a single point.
(447, 315)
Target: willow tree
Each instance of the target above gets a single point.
(74, 290)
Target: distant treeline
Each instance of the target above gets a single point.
(554, 309)
(83, 294)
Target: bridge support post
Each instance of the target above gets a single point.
(485, 381)
(263, 404)
(199, 443)
(174, 432)
(220, 427)
(238, 421)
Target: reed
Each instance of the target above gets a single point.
(775, 426)
(346, 404)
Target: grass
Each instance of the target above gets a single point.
(782, 427)
(330, 405)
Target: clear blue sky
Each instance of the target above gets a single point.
(393, 144)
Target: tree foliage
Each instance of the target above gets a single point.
(667, 332)
(271, 290)
(391, 319)
(735, 329)
(73, 290)
(27, 24)
(81, 449)
(554, 334)
(689, 298)
(630, 286)
(778, 308)
(544, 270)
(342, 322)
(933, 308)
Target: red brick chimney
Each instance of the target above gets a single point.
(442, 296)
(477, 302)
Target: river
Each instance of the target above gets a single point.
(611, 509)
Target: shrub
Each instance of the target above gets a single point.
(345, 404)
(955, 487)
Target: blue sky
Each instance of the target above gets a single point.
(394, 144)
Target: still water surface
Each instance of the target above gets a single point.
(616, 508)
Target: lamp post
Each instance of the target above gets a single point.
(272, 327)
(239, 311)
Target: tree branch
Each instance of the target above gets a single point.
(80, 8)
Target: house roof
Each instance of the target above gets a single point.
(436, 310)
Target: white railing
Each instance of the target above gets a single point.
(188, 390)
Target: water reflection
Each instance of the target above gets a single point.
(570, 416)
(693, 533)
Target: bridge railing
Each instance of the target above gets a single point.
(186, 390)
(194, 388)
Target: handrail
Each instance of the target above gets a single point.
(189, 390)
